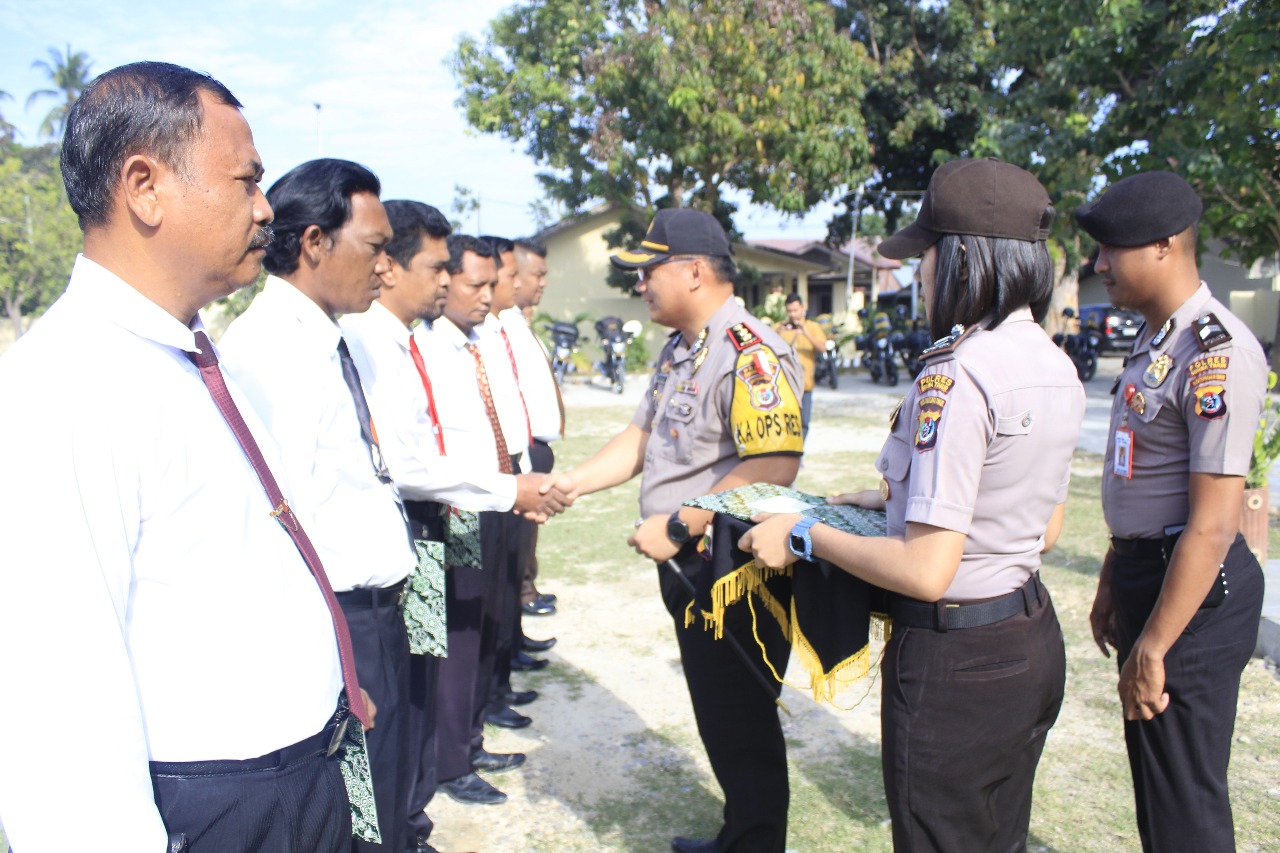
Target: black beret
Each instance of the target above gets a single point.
(1141, 209)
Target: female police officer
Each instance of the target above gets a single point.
(975, 474)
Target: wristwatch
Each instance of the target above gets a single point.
(677, 530)
(799, 542)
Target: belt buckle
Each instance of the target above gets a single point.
(339, 733)
(404, 594)
(940, 609)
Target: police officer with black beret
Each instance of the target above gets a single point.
(1180, 594)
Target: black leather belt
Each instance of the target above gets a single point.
(426, 519)
(371, 596)
(1147, 549)
(949, 616)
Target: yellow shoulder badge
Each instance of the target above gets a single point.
(765, 414)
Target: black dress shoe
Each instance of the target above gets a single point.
(494, 762)
(537, 645)
(695, 845)
(523, 663)
(508, 719)
(520, 697)
(473, 791)
(537, 607)
(547, 597)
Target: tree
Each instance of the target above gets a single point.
(649, 105)
(69, 74)
(926, 98)
(39, 235)
(7, 131)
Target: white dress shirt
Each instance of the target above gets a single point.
(379, 344)
(150, 606)
(283, 352)
(541, 396)
(467, 431)
(507, 398)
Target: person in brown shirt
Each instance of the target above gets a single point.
(721, 411)
(975, 473)
(1182, 423)
(808, 340)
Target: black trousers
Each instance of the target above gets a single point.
(381, 649)
(293, 799)
(1179, 758)
(737, 717)
(424, 676)
(543, 459)
(963, 718)
(506, 606)
(466, 674)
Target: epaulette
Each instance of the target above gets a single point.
(1210, 332)
(946, 346)
(742, 337)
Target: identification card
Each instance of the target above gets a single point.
(1122, 459)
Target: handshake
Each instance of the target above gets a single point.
(540, 496)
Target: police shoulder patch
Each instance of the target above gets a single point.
(928, 420)
(1210, 332)
(765, 413)
(743, 337)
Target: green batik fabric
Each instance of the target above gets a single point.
(424, 616)
(462, 539)
(354, 761)
(738, 503)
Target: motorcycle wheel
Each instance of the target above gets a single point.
(619, 376)
(558, 371)
(891, 375)
(1089, 368)
(832, 378)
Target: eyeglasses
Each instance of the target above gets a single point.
(643, 272)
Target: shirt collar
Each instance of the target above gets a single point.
(451, 334)
(716, 325)
(113, 299)
(317, 329)
(513, 316)
(381, 321)
(1181, 317)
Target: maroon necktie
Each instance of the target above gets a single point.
(515, 371)
(486, 394)
(207, 361)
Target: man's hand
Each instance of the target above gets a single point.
(1142, 684)
(1102, 618)
(562, 482)
(768, 540)
(536, 503)
(373, 709)
(651, 540)
(867, 499)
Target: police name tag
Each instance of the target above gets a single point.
(1122, 458)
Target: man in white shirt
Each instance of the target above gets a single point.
(286, 351)
(184, 676)
(546, 407)
(428, 471)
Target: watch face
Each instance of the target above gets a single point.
(797, 545)
(677, 531)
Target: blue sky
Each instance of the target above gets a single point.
(376, 68)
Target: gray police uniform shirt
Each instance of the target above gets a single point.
(732, 397)
(982, 445)
(1191, 392)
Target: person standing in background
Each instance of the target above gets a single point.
(809, 341)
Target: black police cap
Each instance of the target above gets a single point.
(676, 231)
(1140, 210)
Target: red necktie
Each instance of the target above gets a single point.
(511, 356)
(486, 394)
(431, 397)
(207, 362)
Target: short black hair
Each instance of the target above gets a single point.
(462, 243)
(793, 297)
(316, 193)
(501, 245)
(532, 246)
(977, 276)
(411, 221)
(150, 108)
(723, 266)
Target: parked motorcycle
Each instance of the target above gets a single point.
(826, 365)
(880, 346)
(1082, 347)
(564, 337)
(615, 337)
(914, 343)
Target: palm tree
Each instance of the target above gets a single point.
(69, 74)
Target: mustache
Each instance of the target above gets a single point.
(262, 238)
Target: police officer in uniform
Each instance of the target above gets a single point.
(722, 410)
(974, 674)
(1180, 594)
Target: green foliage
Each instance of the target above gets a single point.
(1266, 441)
(68, 74)
(650, 105)
(39, 235)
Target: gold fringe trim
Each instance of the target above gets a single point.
(745, 579)
(826, 685)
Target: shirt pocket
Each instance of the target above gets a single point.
(1020, 424)
(894, 461)
(678, 428)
